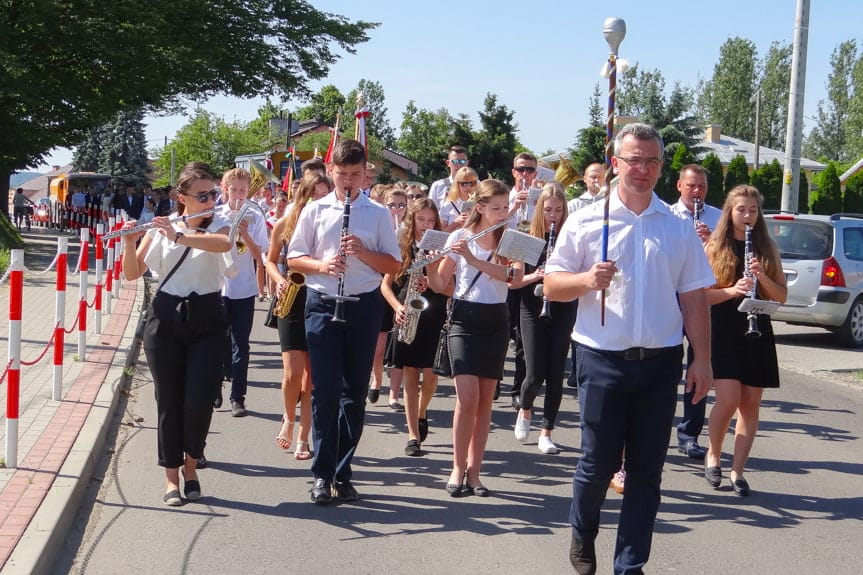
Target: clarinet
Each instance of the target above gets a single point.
(341, 298)
(751, 316)
(697, 208)
(546, 308)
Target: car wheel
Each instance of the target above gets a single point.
(850, 333)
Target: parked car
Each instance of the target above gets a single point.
(822, 257)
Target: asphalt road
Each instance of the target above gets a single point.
(805, 514)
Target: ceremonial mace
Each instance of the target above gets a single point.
(614, 29)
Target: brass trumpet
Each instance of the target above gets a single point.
(283, 306)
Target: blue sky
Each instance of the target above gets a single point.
(543, 58)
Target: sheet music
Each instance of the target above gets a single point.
(533, 196)
(433, 240)
(520, 247)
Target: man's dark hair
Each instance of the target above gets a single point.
(349, 153)
(526, 156)
(457, 149)
(314, 164)
(19, 191)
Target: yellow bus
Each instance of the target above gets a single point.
(66, 184)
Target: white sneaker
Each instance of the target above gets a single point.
(522, 428)
(547, 446)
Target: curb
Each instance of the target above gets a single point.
(37, 550)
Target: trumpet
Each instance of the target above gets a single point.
(751, 316)
(283, 306)
(523, 224)
(419, 264)
(341, 298)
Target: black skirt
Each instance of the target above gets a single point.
(292, 327)
(478, 338)
(420, 353)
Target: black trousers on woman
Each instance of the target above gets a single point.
(546, 343)
(182, 339)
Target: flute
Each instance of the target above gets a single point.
(340, 298)
(149, 225)
(421, 263)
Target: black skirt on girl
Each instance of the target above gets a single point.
(478, 338)
(421, 352)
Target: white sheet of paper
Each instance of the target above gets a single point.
(520, 247)
(433, 240)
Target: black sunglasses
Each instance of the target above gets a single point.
(523, 169)
(204, 196)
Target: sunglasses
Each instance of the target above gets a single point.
(398, 206)
(415, 196)
(467, 183)
(523, 169)
(459, 162)
(203, 197)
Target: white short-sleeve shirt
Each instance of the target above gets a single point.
(485, 289)
(243, 284)
(709, 215)
(657, 256)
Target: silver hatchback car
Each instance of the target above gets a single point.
(822, 257)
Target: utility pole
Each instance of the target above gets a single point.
(794, 132)
(757, 97)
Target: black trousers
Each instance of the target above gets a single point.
(546, 343)
(513, 302)
(181, 339)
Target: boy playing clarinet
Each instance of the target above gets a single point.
(358, 248)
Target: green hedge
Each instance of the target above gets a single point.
(9, 236)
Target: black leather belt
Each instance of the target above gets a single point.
(639, 353)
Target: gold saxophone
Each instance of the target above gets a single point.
(283, 306)
(415, 304)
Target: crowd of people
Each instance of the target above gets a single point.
(345, 252)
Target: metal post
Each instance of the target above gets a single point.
(757, 97)
(794, 135)
(82, 289)
(13, 383)
(60, 317)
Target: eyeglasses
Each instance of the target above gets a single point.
(459, 162)
(398, 206)
(642, 163)
(523, 169)
(203, 197)
(467, 183)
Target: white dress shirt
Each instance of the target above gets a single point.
(583, 201)
(438, 191)
(709, 215)
(657, 256)
(449, 211)
(486, 289)
(318, 235)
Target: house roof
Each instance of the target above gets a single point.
(727, 147)
(37, 188)
(404, 163)
(851, 171)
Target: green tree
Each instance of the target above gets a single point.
(726, 97)
(803, 195)
(124, 150)
(827, 199)
(854, 123)
(737, 173)
(424, 137)
(827, 140)
(69, 67)
(495, 146)
(852, 200)
(260, 129)
(589, 147)
(715, 180)
(88, 153)
(768, 180)
(775, 84)
(206, 138)
(666, 187)
(325, 105)
(377, 124)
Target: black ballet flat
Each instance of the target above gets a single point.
(479, 490)
(454, 489)
(713, 476)
(741, 487)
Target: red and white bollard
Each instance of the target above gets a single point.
(97, 307)
(118, 261)
(13, 377)
(82, 303)
(109, 277)
(60, 317)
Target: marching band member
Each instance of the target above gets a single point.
(186, 323)
(418, 356)
(452, 212)
(630, 364)
(478, 330)
(743, 367)
(296, 379)
(545, 338)
(341, 353)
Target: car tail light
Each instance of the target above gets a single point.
(789, 218)
(831, 273)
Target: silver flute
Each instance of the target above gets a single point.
(149, 225)
(421, 263)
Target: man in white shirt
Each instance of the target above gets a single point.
(692, 185)
(630, 344)
(594, 179)
(341, 352)
(456, 158)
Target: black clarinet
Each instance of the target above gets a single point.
(546, 307)
(341, 298)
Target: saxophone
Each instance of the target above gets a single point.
(415, 304)
(283, 306)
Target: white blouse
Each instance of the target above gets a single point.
(486, 289)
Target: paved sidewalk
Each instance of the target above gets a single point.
(54, 446)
